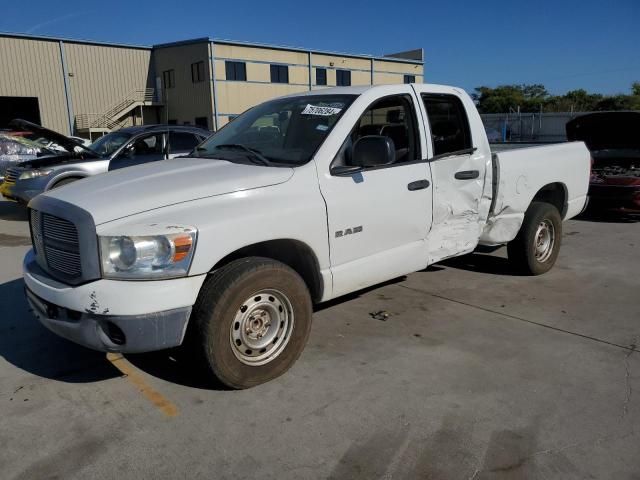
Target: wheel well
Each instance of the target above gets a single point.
(70, 177)
(294, 253)
(555, 194)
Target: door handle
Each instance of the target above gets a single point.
(418, 185)
(467, 174)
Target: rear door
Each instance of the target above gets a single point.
(182, 143)
(458, 171)
(378, 218)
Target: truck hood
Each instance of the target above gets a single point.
(141, 188)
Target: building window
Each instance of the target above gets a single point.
(321, 76)
(236, 71)
(409, 79)
(197, 72)
(279, 74)
(202, 122)
(343, 78)
(169, 79)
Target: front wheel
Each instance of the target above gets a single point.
(252, 320)
(535, 249)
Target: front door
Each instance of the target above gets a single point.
(143, 149)
(378, 218)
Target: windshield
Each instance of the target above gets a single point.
(109, 143)
(286, 130)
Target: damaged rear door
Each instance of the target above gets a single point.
(458, 171)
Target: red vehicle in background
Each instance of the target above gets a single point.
(614, 141)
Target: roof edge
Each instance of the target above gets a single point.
(223, 41)
(220, 41)
(28, 36)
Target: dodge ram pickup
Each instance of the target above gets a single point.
(299, 200)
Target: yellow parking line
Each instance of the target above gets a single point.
(131, 374)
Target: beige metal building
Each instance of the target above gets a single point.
(89, 88)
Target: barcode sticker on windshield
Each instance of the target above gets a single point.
(322, 111)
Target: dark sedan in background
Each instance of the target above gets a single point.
(614, 141)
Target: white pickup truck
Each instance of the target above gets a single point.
(299, 200)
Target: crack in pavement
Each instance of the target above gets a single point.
(631, 349)
(627, 377)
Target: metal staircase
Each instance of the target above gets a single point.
(116, 115)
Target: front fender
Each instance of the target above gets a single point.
(59, 176)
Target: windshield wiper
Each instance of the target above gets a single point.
(255, 154)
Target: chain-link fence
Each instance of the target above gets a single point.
(527, 127)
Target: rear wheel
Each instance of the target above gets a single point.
(252, 320)
(535, 249)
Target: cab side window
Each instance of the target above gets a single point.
(392, 117)
(450, 130)
(144, 149)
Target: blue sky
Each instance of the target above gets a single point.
(564, 44)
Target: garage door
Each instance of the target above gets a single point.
(26, 108)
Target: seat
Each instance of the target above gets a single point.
(398, 134)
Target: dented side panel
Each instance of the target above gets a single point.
(523, 173)
(460, 205)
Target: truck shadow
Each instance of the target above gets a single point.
(482, 263)
(599, 216)
(12, 211)
(27, 345)
(178, 366)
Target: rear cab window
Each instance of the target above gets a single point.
(450, 131)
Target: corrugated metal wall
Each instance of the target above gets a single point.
(101, 76)
(187, 100)
(34, 69)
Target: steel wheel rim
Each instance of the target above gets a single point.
(262, 327)
(545, 239)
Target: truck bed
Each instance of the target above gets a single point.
(520, 173)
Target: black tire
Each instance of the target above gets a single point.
(64, 181)
(522, 249)
(219, 304)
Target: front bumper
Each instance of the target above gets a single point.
(113, 316)
(16, 192)
(113, 333)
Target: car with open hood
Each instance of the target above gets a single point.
(614, 141)
(16, 149)
(123, 148)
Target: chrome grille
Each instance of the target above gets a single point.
(55, 241)
(36, 232)
(55, 228)
(11, 175)
(65, 262)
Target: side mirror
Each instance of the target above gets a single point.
(373, 151)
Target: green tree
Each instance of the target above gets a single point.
(535, 97)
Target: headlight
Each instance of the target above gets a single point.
(33, 174)
(147, 256)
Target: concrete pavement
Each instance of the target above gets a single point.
(475, 373)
